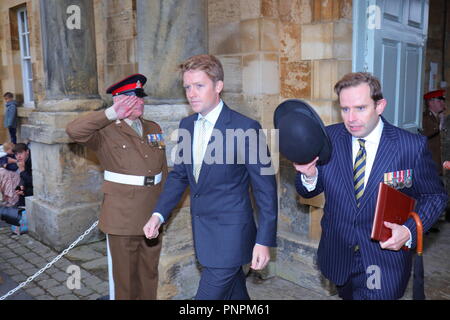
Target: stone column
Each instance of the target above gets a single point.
(66, 176)
(168, 32)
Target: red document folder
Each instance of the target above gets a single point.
(392, 206)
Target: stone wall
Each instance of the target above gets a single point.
(10, 65)
(277, 50)
(115, 34)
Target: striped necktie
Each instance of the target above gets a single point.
(358, 171)
(135, 125)
(200, 144)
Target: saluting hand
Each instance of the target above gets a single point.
(151, 228)
(124, 105)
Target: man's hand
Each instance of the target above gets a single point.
(151, 227)
(21, 191)
(309, 169)
(399, 237)
(124, 105)
(261, 257)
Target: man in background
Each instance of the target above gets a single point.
(433, 124)
(10, 121)
(25, 187)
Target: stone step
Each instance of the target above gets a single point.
(100, 264)
(83, 254)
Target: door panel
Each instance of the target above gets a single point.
(415, 13)
(412, 81)
(391, 54)
(393, 10)
(393, 51)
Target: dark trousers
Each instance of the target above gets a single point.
(12, 134)
(356, 286)
(135, 266)
(222, 284)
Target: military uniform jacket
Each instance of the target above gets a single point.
(432, 132)
(126, 208)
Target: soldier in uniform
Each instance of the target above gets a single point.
(433, 123)
(132, 153)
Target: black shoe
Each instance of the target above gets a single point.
(434, 230)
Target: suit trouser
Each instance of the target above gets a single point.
(12, 134)
(222, 284)
(356, 286)
(135, 266)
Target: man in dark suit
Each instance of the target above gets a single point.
(368, 150)
(219, 175)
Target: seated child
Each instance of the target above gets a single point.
(9, 176)
(7, 157)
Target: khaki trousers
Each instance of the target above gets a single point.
(135, 266)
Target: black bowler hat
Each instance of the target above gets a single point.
(302, 133)
(131, 85)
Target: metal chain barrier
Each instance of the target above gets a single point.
(23, 284)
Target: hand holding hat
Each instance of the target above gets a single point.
(309, 169)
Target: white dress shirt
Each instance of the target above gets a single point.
(211, 119)
(371, 146)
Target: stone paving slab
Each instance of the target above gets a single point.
(9, 284)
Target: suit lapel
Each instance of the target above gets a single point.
(384, 157)
(346, 164)
(189, 165)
